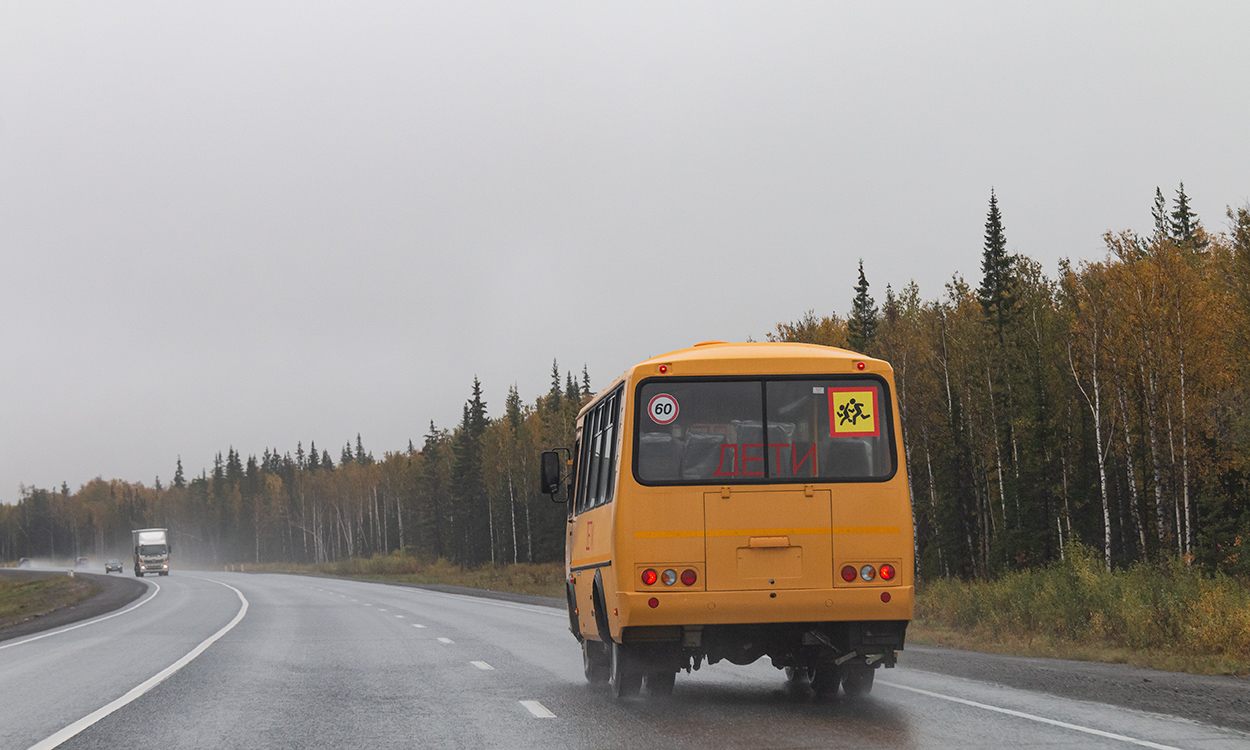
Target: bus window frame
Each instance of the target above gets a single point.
(887, 428)
(590, 433)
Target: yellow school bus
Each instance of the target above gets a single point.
(735, 501)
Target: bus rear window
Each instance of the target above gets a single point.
(734, 431)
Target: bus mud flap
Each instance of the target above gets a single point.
(570, 596)
(601, 609)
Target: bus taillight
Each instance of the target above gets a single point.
(689, 576)
(649, 576)
(653, 602)
(887, 572)
(848, 573)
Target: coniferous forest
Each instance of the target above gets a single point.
(1107, 406)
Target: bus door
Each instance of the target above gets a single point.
(776, 538)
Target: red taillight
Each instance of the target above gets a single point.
(867, 573)
(887, 572)
(649, 576)
(688, 576)
(848, 573)
(859, 365)
(653, 602)
(663, 369)
(885, 596)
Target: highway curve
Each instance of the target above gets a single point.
(237, 660)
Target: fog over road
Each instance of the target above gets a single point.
(309, 662)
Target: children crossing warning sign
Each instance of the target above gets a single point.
(853, 412)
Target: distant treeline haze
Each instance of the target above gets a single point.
(1107, 406)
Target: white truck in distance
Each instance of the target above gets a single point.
(151, 551)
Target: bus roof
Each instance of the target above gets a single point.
(752, 358)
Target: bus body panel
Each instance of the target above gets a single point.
(765, 554)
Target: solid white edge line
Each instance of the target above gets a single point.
(539, 710)
(482, 666)
(92, 621)
(135, 693)
(1031, 717)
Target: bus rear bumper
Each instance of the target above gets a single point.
(760, 607)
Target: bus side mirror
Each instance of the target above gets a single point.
(549, 473)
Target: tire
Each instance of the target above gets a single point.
(827, 678)
(857, 679)
(138, 574)
(164, 572)
(799, 675)
(596, 662)
(660, 684)
(625, 679)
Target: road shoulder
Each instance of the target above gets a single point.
(1219, 701)
(115, 593)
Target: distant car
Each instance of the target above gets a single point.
(25, 563)
(113, 566)
(81, 562)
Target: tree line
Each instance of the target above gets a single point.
(1107, 406)
(468, 494)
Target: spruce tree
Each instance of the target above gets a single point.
(326, 463)
(345, 456)
(1186, 229)
(996, 294)
(1159, 212)
(571, 392)
(585, 381)
(180, 479)
(314, 458)
(861, 326)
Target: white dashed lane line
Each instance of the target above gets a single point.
(482, 666)
(537, 709)
(400, 616)
(445, 640)
(417, 625)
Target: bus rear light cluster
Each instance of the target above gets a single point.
(867, 573)
(669, 577)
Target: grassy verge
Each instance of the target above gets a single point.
(541, 579)
(1169, 616)
(21, 600)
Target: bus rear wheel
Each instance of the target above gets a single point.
(826, 679)
(660, 684)
(626, 678)
(596, 662)
(857, 679)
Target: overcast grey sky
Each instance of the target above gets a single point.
(251, 224)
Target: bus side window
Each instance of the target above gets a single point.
(610, 413)
(590, 435)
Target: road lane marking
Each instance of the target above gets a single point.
(381, 610)
(156, 679)
(445, 640)
(92, 621)
(1032, 717)
(367, 604)
(482, 666)
(399, 617)
(539, 710)
(417, 625)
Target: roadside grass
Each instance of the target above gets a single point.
(1168, 616)
(540, 579)
(22, 600)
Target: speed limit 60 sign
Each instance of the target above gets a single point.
(662, 408)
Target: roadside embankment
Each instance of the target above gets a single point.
(532, 579)
(32, 601)
(1169, 616)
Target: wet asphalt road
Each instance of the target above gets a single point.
(330, 663)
